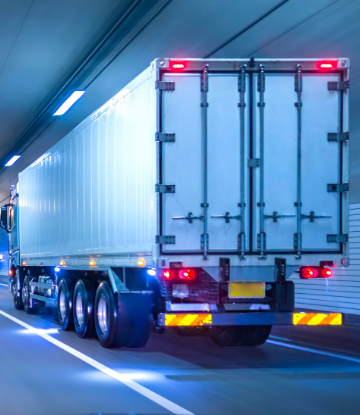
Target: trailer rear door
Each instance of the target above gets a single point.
(184, 165)
(252, 167)
(319, 162)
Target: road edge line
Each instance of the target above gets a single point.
(160, 400)
(307, 349)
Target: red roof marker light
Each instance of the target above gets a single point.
(327, 65)
(177, 65)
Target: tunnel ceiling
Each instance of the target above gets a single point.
(50, 48)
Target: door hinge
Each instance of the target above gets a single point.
(338, 86)
(164, 188)
(165, 137)
(165, 86)
(253, 162)
(165, 240)
(338, 187)
(338, 137)
(337, 239)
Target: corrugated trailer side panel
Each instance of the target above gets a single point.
(94, 191)
(341, 292)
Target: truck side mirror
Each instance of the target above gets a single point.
(5, 216)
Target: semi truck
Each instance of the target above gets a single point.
(187, 202)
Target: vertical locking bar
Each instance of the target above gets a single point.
(298, 204)
(205, 205)
(159, 146)
(261, 204)
(242, 90)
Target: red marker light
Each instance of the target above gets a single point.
(327, 65)
(178, 65)
(10, 272)
(187, 274)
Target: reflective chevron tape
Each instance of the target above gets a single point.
(317, 319)
(187, 319)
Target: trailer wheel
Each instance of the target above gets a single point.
(240, 335)
(227, 336)
(255, 335)
(25, 297)
(111, 326)
(137, 310)
(83, 312)
(64, 305)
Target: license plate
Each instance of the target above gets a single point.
(247, 289)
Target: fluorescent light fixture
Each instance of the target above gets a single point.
(12, 161)
(69, 102)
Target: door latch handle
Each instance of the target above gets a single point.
(189, 217)
(275, 216)
(227, 217)
(312, 217)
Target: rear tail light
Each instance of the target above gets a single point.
(326, 272)
(315, 272)
(187, 274)
(327, 65)
(168, 274)
(182, 274)
(309, 273)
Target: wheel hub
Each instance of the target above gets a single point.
(79, 307)
(62, 305)
(103, 315)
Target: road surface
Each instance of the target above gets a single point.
(44, 371)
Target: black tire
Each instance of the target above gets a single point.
(64, 304)
(83, 309)
(18, 301)
(138, 313)
(112, 327)
(186, 331)
(256, 335)
(25, 297)
(227, 336)
(240, 335)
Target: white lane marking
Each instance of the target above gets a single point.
(5, 285)
(165, 403)
(306, 349)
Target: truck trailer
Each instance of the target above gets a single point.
(187, 201)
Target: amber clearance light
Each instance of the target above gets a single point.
(141, 262)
